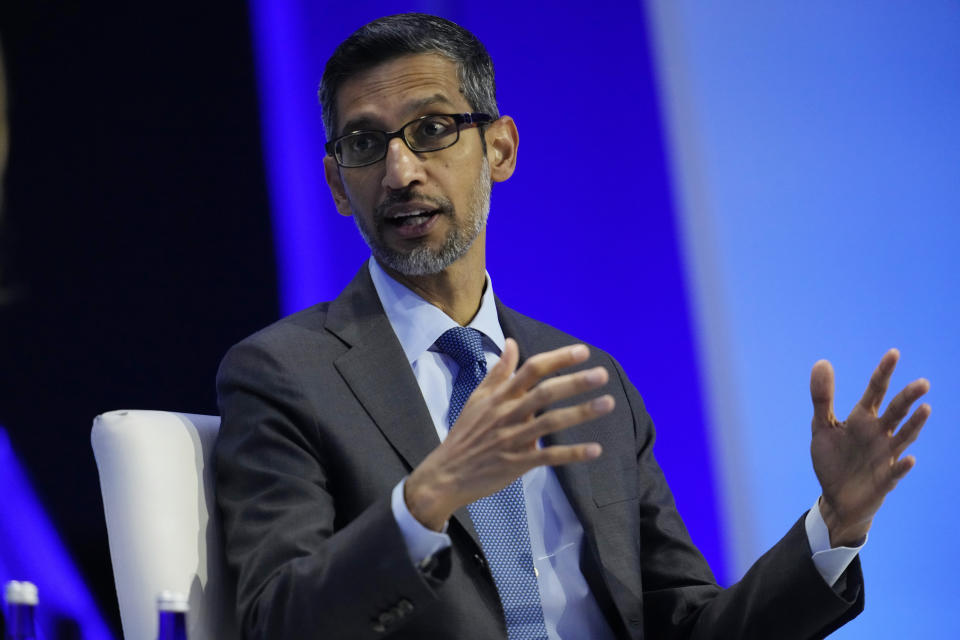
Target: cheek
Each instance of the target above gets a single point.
(465, 161)
(359, 189)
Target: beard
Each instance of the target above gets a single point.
(424, 260)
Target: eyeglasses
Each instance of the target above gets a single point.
(427, 133)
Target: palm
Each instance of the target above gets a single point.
(858, 461)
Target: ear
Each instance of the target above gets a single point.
(502, 142)
(331, 171)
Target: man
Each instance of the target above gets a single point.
(415, 460)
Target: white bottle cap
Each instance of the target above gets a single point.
(172, 601)
(20, 592)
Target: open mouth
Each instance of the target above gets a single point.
(414, 223)
(412, 218)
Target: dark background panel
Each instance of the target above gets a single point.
(136, 234)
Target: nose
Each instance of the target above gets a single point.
(402, 166)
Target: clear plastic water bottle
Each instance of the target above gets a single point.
(21, 600)
(172, 621)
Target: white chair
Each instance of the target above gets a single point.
(162, 521)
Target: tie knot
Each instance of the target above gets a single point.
(463, 344)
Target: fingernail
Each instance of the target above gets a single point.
(594, 450)
(603, 403)
(594, 376)
(579, 351)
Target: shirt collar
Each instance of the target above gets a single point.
(418, 323)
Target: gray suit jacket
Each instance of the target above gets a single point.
(322, 417)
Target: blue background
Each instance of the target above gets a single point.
(717, 193)
(816, 150)
(583, 236)
(720, 196)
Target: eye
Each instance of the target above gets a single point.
(360, 143)
(432, 132)
(435, 127)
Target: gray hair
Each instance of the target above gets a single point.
(387, 38)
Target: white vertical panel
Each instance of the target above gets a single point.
(696, 206)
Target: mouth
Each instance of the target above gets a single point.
(412, 219)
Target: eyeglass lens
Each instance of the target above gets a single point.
(430, 133)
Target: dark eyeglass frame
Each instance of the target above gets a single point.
(461, 119)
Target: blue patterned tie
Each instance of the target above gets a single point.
(500, 519)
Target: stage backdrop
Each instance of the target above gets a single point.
(816, 153)
(583, 236)
(718, 196)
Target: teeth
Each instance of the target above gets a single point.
(413, 220)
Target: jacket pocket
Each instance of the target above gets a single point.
(614, 479)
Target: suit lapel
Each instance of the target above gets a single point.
(574, 479)
(377, 372)
(379, 375)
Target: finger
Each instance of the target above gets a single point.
(544, 364)
(563, 454)
(821, 392)
(900, 468)
(901, 403)
(879, 381)
(910, 430)
(559, 388)
(505, 366)
(560, 419)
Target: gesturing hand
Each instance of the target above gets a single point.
(858, 461)
(494, 441)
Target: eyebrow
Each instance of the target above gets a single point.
(367, 121)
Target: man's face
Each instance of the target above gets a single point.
(419, 213)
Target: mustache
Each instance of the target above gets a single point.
(443, 206)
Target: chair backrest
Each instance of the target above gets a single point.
(157, 486)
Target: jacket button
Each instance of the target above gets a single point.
(404, 607)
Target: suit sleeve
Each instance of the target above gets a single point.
(781, 596)
(301, 574)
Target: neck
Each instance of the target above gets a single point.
(457, 290)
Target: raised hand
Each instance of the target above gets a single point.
(858, 461)
(494, 441)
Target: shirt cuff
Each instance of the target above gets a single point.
(421, 542)
(830, 562)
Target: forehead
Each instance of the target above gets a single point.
(398, 90)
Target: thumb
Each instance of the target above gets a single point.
(821, 392)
